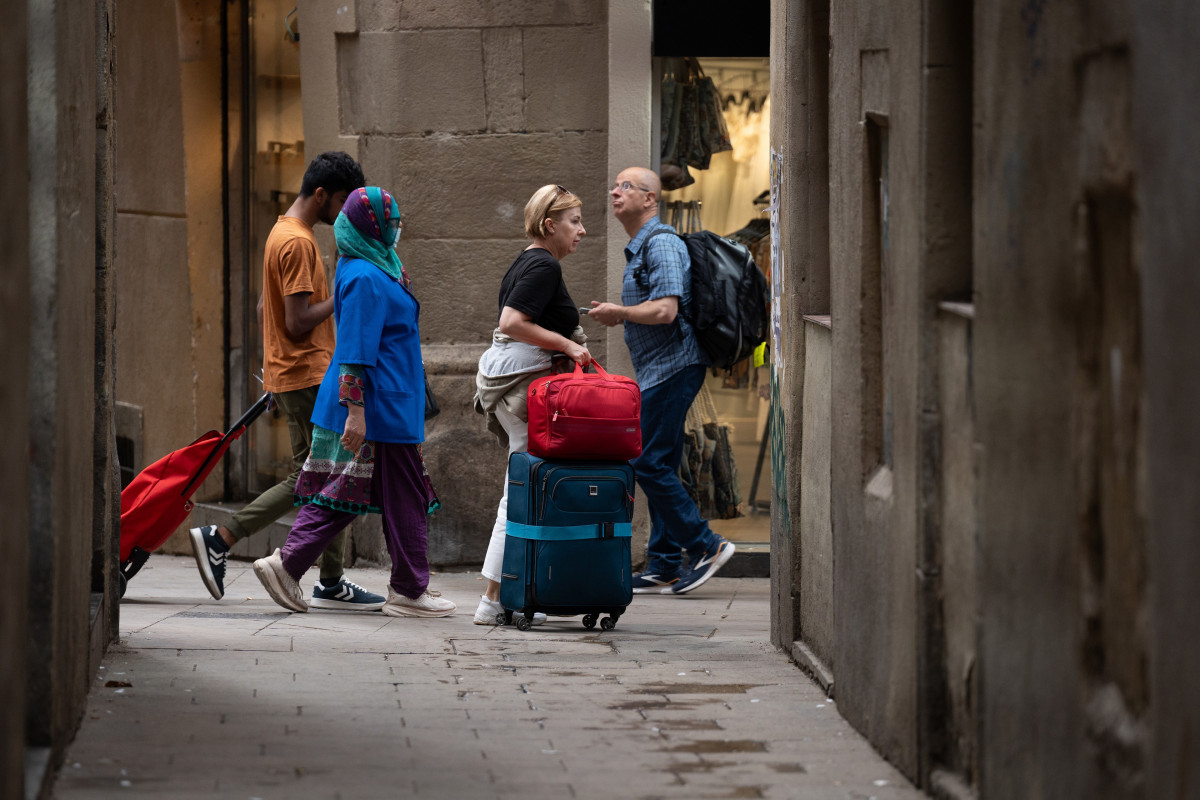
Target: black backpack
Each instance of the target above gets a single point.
(729, 296)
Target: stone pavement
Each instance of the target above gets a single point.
(241, 699)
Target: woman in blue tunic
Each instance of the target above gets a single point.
(369, 421)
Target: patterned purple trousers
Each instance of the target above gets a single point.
(399, 488)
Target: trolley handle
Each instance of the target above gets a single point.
(254, 412)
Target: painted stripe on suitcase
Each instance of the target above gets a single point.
(564, 533)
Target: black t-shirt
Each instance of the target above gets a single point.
(534, 285)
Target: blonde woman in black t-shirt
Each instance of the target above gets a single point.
(537, 322)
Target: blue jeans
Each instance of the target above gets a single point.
(675, 522)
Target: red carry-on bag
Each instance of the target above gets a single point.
(578, 415)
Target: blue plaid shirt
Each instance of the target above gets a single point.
(659, 351)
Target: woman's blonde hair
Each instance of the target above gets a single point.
(549, 201)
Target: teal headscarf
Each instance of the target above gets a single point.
(362, 230)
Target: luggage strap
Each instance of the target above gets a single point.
(562, 533)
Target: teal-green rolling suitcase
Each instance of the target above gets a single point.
(566, 551)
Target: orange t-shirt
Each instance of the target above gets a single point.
(291, 265)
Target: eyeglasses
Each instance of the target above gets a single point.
(625, 186)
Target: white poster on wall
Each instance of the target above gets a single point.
(777, 272)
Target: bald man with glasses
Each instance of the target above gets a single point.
(670, 369)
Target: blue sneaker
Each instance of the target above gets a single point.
(650, 583)
(344, 595)
(705, 567)
(210, 552)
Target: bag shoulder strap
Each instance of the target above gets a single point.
(642, 253)
(645, 244)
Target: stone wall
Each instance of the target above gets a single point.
(463, 110)
(168, 282)
(875, 139)
(154, 349)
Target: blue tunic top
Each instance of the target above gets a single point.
(377, 327)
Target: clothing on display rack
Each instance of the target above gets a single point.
(682, 215)
(708, 470)
(735, 179)
(693, 124)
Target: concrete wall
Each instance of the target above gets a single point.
(15, 331)
(1165, 79)
(874, 255)
(815, 525)
(463, 110)
(55, 239)
(1011, 419)
(952, 661)
(1059, 404)
(800, 285)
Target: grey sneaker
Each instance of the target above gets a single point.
(344, 595)
(282, 587)
(429, 604)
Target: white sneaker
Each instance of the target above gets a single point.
(282, 587)
(488, 609)
(429, 604)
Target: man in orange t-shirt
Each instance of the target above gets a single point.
(294, 314)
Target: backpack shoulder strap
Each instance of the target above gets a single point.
(646, 243)
(642, 268)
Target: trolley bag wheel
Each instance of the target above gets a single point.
(524, 623)
(608, 623)
(502, 618)
(589, 621)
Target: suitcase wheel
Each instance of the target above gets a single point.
(524, 623)
(589, 621)
(502, 619)
(607, 624)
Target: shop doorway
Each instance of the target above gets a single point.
(725, 191)
(266, 166)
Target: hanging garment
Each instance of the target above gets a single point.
(708, 470)
(693, 126)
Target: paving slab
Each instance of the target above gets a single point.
(238, 698)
